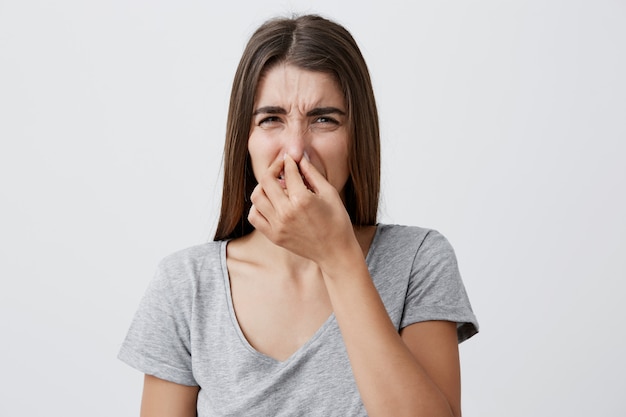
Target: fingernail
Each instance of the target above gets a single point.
(284, 156)
(306, 156)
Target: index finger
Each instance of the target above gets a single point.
(313, 177)
(293, 177)
(272, 184)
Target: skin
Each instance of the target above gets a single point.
(285, 274)
(300, 113)
(164, 398)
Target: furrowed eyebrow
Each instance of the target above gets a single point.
(269, 110)
(319, 111)
(322, 111)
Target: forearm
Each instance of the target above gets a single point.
(389, 378)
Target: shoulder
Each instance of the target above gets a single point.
(186, 265)
(194, 256)
(411, 238)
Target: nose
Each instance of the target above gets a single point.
(295, 143)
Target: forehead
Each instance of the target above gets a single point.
(286, 84)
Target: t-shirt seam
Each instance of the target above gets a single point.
(141, 357)
(408, 282)
(231, 369)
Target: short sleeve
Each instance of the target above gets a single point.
(435, 289)
(158, 342)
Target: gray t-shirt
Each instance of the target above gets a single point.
(186, 331)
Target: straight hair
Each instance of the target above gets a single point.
(311, 43)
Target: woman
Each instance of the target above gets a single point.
(303, 304)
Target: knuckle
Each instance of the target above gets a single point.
(254, 196)
(287, 216)
(301, 201)
(252, 219)
(268, 176)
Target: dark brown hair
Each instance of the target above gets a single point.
(316, 44)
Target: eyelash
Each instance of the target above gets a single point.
(326, 119)
(321, 119)
(270, 119)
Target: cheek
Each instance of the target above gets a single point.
(337, 164)
(260, 154)
(345, 165)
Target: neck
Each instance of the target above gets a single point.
(265, 249)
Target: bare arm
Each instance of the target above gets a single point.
(167, 399)
(413, 374)
(434, 344)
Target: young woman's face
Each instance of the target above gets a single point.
(303, 114)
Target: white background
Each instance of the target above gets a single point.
(503, 126)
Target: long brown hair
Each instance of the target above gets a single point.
(316, 44)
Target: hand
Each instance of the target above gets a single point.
(310, 221)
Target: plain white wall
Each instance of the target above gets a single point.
(503, 126)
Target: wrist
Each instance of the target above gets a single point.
(343, 259)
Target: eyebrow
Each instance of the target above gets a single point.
(321, 111)
(318, 111)
(269, 110)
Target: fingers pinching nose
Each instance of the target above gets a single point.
(304, 155)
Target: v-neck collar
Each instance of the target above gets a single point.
(330, 321)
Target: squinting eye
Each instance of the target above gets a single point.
(268, 120)
(326, 120)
